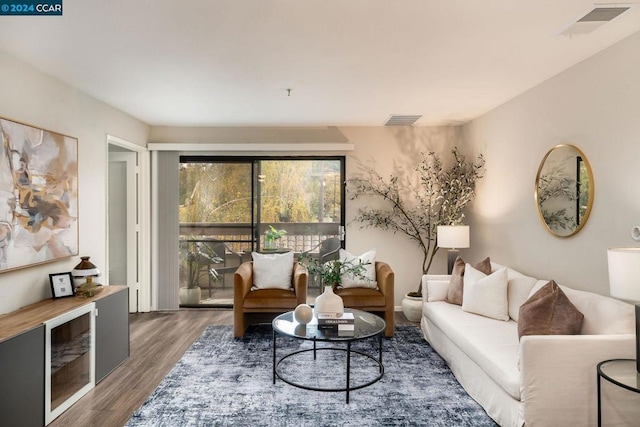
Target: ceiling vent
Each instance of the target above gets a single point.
(402, 120)
(594, 19)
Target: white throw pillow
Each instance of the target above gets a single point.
(486, 295)
(349, 280)
(437, 290)
(518, 293)
(272, 270)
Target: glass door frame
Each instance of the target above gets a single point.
(255, 162)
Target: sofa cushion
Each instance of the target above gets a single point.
(602, 315)
(486, 294)
(519, 289)
(350, 280)
(492, 344)
(549, 312)
(518, 292)
(436, 289)
(456, 284)
(272, 270)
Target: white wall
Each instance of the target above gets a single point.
(34, 98)
(388, 149)
(594, 105)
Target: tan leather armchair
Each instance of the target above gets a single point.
(379, 301)
(263, 305)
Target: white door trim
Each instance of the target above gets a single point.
(130, 160)
(144, 221)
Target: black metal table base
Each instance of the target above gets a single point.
(348, 386)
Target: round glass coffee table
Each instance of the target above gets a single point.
(366, 326)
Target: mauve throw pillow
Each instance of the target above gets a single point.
(456, 284)
(549, 312)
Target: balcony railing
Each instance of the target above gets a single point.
(234, 243)
(300, 237)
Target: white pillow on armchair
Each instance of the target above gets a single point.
(349, 280)
(272, 270)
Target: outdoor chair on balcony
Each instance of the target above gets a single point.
(222, 260)
(265, 287)
(328, 250)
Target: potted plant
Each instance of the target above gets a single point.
(330, 274)
(438, 197)
(271, 236)
(196, 255)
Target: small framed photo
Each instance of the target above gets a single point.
(61, 285)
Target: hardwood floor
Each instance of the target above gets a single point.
(158, 340)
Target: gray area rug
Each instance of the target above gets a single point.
(222, 381)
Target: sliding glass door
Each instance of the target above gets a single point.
(228, 204)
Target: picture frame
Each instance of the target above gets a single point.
(38, 195)
(62, 285)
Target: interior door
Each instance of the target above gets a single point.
(123, 223)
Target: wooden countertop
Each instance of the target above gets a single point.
(34, 315)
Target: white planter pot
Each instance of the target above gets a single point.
(412, 308)
(189, 296)
(329, 303)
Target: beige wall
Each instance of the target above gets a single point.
(31, 97)
(594, 105)
(394, 150)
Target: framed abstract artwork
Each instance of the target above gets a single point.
(38, 195)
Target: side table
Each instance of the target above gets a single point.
(620, 372)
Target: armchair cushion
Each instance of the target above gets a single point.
(378, 300)
(272, 271)
(362, 297)
(252, 305)
(271, 298)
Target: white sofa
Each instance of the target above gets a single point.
(540, 380)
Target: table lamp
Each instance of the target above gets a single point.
(624, 282)
(452, 237)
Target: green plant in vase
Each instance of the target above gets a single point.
(331, 272)
(271, 236)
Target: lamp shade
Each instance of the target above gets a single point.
(453, 236)
(624, 273)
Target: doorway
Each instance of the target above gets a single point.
(126, 236)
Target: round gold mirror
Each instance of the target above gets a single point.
(564, 190)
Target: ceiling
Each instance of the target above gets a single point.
(347, 62)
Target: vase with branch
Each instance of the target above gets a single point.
(331, 274)
(437, 196)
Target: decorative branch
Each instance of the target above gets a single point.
(439, 198)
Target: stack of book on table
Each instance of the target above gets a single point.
(344, 324)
